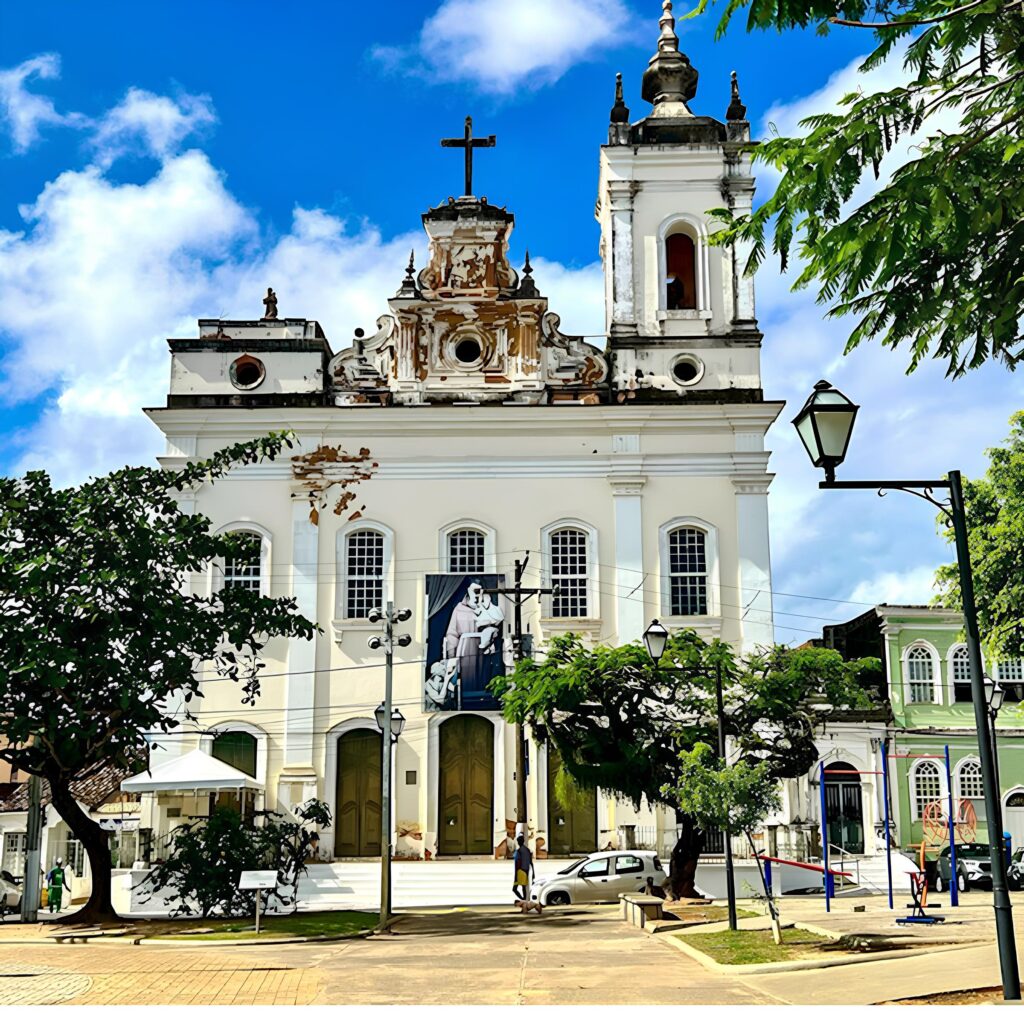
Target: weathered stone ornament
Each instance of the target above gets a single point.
(270, 302)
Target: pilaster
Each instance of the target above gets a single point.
(623, 315)
(755, 581)
(627, 495)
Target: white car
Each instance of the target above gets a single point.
(599, 877)
(10, 893)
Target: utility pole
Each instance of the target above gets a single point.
(34, 830)
(388, 642)
(519, 594)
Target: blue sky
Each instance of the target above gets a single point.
(160, 162)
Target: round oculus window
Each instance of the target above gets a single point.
(247, 372)
(467, 351)
(687, 370)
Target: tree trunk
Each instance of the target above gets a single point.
(682, 866)
(99, 907)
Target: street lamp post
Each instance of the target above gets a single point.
(994, 696)
(388, 642)
(825, 425)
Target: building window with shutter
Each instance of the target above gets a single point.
(1010, 675)
(925, 785)
(920, 671)
(569, 554)
(960, 663)
(364, 573)
(244, 568)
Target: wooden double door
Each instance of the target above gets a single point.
(466, 786)
(357, 801)
(572, 831)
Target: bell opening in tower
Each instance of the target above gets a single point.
(680, 273)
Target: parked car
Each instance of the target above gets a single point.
(974, 868)
(1015, 872)
(10, 893)
(599, 877)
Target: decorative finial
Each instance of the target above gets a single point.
(668, 39)
(620, 111)
(737, 110)
(270, 302)
(408, 289)
(527, 286)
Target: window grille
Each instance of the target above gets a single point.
(920, 675)
(969, 786)
(961, 664)
(927, 785)
(466, 551)
(245, 569)
(569, 574)
(688, 572)
(15, 845)
(1010, 674)
(364, 573)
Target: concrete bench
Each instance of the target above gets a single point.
(639, 908)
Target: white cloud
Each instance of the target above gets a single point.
(25, 113)
(154, 123)
(502, 45)
(906, 587)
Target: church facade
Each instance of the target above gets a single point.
(467, 432)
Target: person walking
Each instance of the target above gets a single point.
(522, 869)
(56, 880)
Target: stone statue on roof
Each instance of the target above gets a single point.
(270, 302)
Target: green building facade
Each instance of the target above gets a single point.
(928, 687)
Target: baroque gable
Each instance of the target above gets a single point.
(468, 328)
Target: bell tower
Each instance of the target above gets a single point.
(680, 311)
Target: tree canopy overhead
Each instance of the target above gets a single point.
(995, 525)
(98, 633)
(932, 261)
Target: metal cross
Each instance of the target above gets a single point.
(469, 142)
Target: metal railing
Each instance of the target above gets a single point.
(845, 858)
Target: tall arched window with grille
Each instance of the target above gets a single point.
(688, 572)
(920, 668)
(925, 786)
(569, 553)
(969, 786)
(243, 568)
(1010, 674)
(960, 663)
(467, 551)
(364, 573)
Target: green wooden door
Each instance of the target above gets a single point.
(237, 749)
(357, 802)
(572, 831)
(466, 786)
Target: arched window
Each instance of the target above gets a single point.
(237, 749)
(688, 572)
(920, 675)
(1010, 674)
(960, 663)
(969, 786)
(680, 272)
(364, 572)
(467, 551)
(569, 553)
(925, 786)
(244, 567)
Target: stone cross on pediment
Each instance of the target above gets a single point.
(469, 142)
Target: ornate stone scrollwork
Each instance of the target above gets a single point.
(569, 360)
(358, 375)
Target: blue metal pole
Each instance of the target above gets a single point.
(954, 886)
(824, 836)
(768, 875)
(885, 817)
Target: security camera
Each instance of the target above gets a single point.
(375, 615)
(402, 615)
(404, 640)
(374, 643)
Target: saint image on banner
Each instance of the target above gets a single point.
(465, 643)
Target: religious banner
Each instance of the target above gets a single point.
(465, 643)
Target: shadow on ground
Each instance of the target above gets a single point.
(493, 921)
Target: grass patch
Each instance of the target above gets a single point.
(756, 946)
(699, 914)
(313, 923)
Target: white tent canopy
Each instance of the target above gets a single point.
(194, 771)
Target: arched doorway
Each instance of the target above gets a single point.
(358, 792)
(1013, 816)
(571, 831)
(466, 786)
(845, 807)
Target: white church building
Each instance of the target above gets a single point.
(466, 431)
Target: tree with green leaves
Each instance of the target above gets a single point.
(933, 260)
(207, 857)
(995, 526)
(99, 633)
(622, 724)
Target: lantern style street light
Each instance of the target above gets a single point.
(655, 640)
(994, 696)
(397, 722)
(825, 425)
